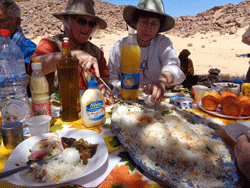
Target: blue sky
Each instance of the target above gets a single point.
(182, 7)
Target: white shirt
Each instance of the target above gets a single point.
(159, 56)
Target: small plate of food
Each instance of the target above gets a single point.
(176, 90)
(75, 162)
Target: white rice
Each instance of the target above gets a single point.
(176, 149)
(54, 171)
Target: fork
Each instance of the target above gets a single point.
(33, 165)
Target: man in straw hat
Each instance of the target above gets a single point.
(159, 64)
(79, 21)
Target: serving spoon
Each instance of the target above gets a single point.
(32, 165)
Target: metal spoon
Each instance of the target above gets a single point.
(33, 165)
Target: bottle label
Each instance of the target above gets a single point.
(130, 81)
(95, 110)
(41, 109)
(12, 71)
(3, 72)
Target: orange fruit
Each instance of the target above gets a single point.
(232, 106)
(211, 101)
(246, 103)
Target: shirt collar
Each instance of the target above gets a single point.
(18, 37)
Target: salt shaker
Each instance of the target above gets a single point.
(12, 133)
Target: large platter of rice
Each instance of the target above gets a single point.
(63, 171)
(168, 146)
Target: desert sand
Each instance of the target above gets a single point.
(210, 50)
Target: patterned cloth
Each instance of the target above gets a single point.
(26, 45)
(126, 173)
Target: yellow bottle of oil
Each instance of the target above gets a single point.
(68, 84)
(93, 105)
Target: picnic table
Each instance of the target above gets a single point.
(125, 172)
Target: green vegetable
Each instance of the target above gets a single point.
(57, 97)
(165, 112)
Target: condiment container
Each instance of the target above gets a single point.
(12, 133)
(93, 105)
(39, 90)
(246, 89)
(182, 102)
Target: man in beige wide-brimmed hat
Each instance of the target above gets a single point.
(79, 22)
(159, 64)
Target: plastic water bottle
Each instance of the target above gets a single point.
(130, 69)
(15, 104)
(12, 65)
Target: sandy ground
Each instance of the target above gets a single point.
(210, 50)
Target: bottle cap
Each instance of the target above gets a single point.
(4, 32)
(65, 43)
(131, 31)
(92, 83)
(36, 65)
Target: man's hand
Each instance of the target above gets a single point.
(242, 154)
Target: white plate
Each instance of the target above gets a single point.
(220, 113)
(237, 129)
(20, 156)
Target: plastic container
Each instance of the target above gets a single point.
(12, 133)
(15, 105)
(130, 68)
(68, 84)
(182, 102)
(12, 65)
(93, 105)
(38, 124)
(39, 88)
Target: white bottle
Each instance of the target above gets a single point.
(93, 106)
(39, 88)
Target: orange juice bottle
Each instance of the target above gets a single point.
(130, 69)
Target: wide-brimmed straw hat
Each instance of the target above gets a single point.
(155, 7)
(81, 7)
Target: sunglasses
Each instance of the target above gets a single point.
(82, 22)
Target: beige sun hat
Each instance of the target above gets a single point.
(154, 7)
(81, 7)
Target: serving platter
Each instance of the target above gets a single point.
(230, 182)
(20, 156)
(220, 113)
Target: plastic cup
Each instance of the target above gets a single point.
(199, 91)
(38, 124)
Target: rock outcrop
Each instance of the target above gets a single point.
(38, 21)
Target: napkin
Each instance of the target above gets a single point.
(97, 177)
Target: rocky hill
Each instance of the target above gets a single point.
(38, 21)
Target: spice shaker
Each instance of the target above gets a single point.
(12, 133)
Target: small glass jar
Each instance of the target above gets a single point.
(12, 133)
